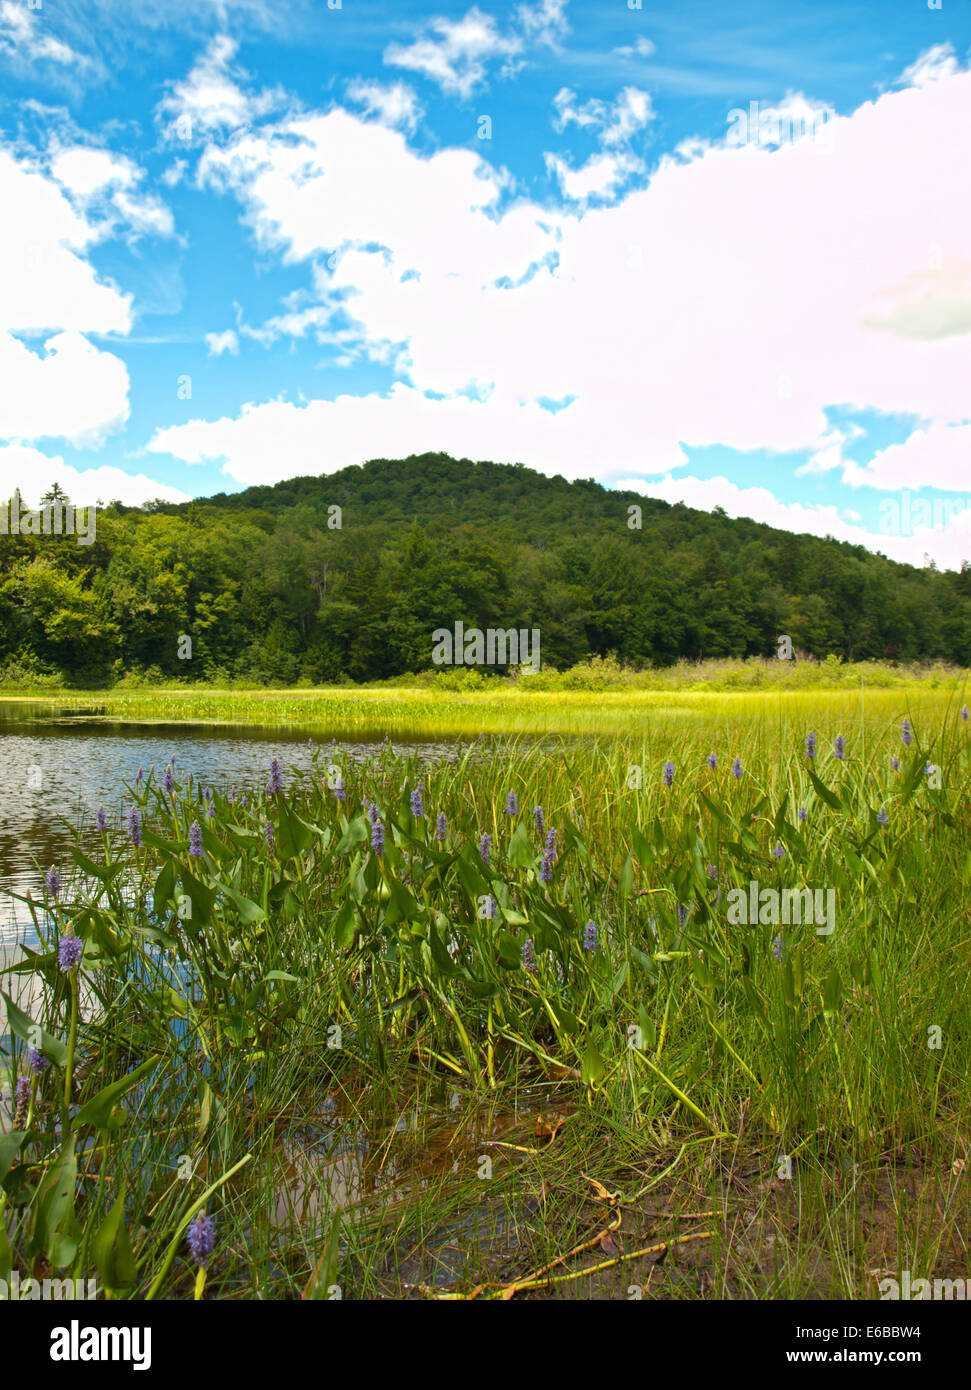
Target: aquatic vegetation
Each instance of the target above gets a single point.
(203, 977)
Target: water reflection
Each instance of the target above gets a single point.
(56, 774)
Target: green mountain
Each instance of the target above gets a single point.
(276, 584)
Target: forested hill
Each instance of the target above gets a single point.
(270, 588)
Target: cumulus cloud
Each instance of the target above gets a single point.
(598, 177)
(733, 300)
(394, 105)
(61, 385)
(218, 343)
(945, 535)
(32, 472)
(455, 53)
(104, 186)
(213, 97)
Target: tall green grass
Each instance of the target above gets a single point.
(340, 1043)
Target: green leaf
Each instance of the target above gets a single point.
(355, 834)
(200, 897)
(592, 1067)
(103, 872)
(112, 1250)
(625, 884)
(832, 992)
(345, 923)
(98, 1110)
(164, 887)
(520, 853)
(10, 1146)
(54, 1207)
(246, 909)
(824, 793)
(29, 1032)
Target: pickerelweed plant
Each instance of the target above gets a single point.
(228, 958)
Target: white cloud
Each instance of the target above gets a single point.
(643, 48)
(104, 186)
(614, 122)
(218, 343)
(936, 457)
(733, 301)
(33, 472)
(63, 385)
(937, 63)
(631, 112)
(545, 22)
(455, 53)
(950, 544)
(394, 105)
(569, 112)
(85, 171)
(212, 98)
(22, 38)
(599, 176)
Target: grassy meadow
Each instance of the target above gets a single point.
(530, 1023)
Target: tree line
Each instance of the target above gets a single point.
(347, 575)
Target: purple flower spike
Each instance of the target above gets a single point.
(779, 851)
(270, 841)
(101, 820)
(69, 952)
(810, 745)
(512, 804)
(418, 801)
(36, 1061)
(549, 857)
(201, 1238)
(895, 764)
(712, 761)
(377, 838)
(778, 948)
(53, 880)
(485, 848)
(667, 774)
(802, 813)
(195, 840)
(134, 827)
(737, 768)
(441, 827)
(906, 733)
(590, 941)
(276, 777)
(882, 816)
(839, 747)
(539, 819)
(21, 1096)
(528, 957)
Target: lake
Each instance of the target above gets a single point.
(57, 772)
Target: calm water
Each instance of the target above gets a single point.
(57, 774)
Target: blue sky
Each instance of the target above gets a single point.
(717, 251)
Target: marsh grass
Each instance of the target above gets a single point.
(350, 1069)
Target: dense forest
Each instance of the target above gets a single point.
(275, 585)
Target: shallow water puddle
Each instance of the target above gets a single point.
(330, 1162)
